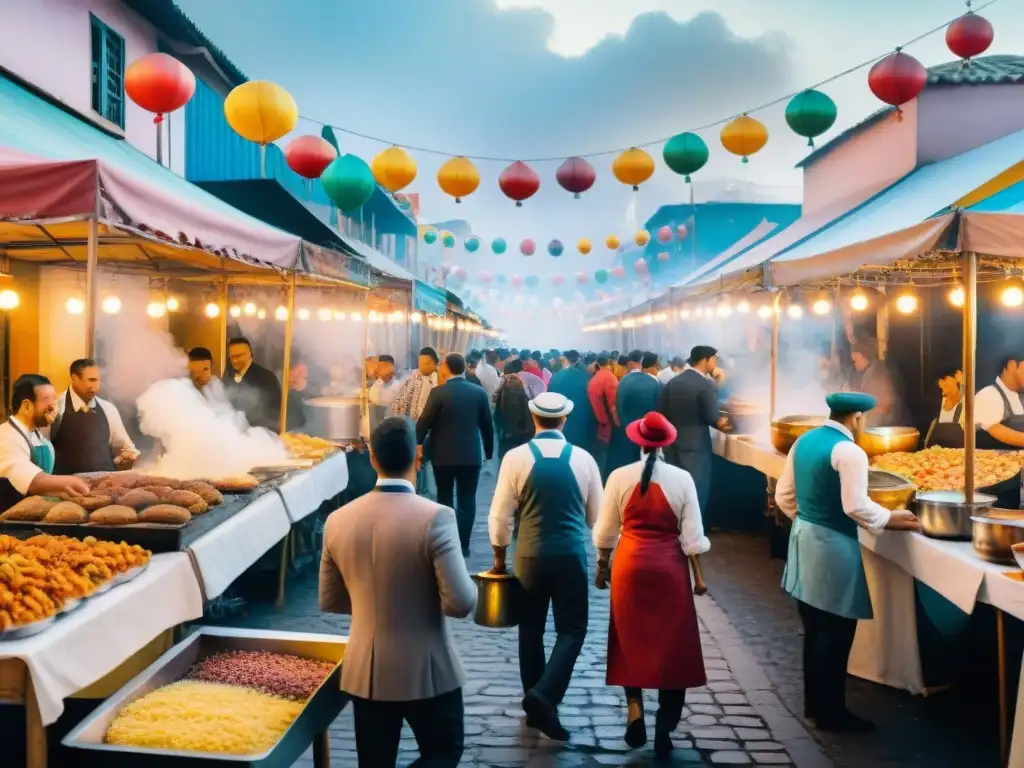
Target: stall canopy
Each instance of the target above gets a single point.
(53, 163)
(995, 226)
(721, 262)
(427, 298)
(899, 222)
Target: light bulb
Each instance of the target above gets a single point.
(416, 317)
(821, 307)
(235, 311)
(324, 313)
(906, 303)
(249, 309)
(684, 314)
(261, 314)
(212, 310)
(338, 315)
(9, 299)
(764, 312)
(859, 301)
(111, 305)
(156, 309)
(956, 296)
(700, 312)
(724, 310)
(74, 306)
(356, 317)
(1012, 296)
(302, 314)
(648, 319)
(172, 304)
(795, 311)
(374, 316)
(743, 307)
(281, 313)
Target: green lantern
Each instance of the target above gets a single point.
(349, 182)
(601, 276)
(685, 153)
(448, 241)
(810, 113)
(532, 281)
(430, 236)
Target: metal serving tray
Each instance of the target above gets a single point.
(320, 711)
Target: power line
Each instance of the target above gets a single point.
(653, 142)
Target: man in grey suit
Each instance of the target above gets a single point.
(393, 561)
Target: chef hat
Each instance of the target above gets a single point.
(551, 405)
(850, 402)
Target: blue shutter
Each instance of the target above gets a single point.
(107, 72)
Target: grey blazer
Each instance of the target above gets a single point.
(393, 561)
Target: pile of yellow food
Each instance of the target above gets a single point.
(306, 447)
(204, 717)
(39, 575)
(942, 469)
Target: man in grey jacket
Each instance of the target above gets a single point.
(393, 561)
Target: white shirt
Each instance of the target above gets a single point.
(988, 405)
(946, 417)
(680, 492)
(516, 468)
(119, 440)
(667, 374)
(16, 456)
(382, 392)
(392, 482)
(489, 377)
(850, 461)
(241, 375)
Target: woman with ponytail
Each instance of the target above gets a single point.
(651, 519)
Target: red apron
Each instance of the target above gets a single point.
(653, 639)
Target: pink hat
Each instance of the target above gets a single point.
(652, 431)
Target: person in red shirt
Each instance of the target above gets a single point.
(601, 391)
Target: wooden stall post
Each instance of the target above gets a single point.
(773, 369)
(222, 299)
(282, 574)
(92, 284)
(970, 339)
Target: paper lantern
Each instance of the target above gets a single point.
(810, 113)
(309, 156)
(601, 276)
(576, 175)
(430, 236)
(527, 247)
(555, 248)
(558, 280)
(642, 238)
(348, 182)
(665, 234)
(393, 169)
(685, 154)
(640, 265)
(583, 246)
(498, 245)
(612, 242)
(459, 274)
(663, 256)
(633, 167)
(744, 136)
(897, 79)
(519, 182)
(517, 281)
(618, 271)
(261, 111)
(448, 240)
(970, 35)
(159, 83)
(532, 281)
(471, 244)
(682, 232)
(458, 177)
(581, 278)
(500, 279)
(484, 277)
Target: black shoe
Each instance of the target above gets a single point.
(636, 733)
(543, 715)
(846, 722)
(663, 745)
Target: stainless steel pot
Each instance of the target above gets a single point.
(995, 533)
(498, 600)
(333, 418)
(947, 514)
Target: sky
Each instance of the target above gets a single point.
(517, 79)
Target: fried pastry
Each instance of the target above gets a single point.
(115, 514)
(66, 512)
(165, 513)
(31, 509)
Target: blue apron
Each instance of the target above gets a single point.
(824, 568)
(41, 455)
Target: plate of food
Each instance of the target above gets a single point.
(21, 631)
(131, 573)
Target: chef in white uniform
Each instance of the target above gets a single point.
(997, 408)
(947, 429)
(387, 384)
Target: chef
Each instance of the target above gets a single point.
(200, 371)
(26, 457)
(997, 408)
(824, 489)
(947, 429)
(88, 434)
(251, 388)
(387, 384)
(872, 376)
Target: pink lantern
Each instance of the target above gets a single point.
(663, 256)
(517, 281)
(682, 232)
(601, 295)
(640, 266)
(618, 271)
(527, 247)
(665, 234)
(485, 277)
(459, 273)
(581, 278)
(557, 280)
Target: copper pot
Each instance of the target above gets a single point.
(878, 440)
(786, 430)
(498, 600)
(889, 490)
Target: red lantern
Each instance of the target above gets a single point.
(581, 278)
(640, 266)
(159, 83)
(309, 156)
(618, 271)
(665, 234)
(663, 256)
(682, 232)
(485, 277)
(576, 175)
(970, 35)
(897, 79)
(519, 182)
(557, 280)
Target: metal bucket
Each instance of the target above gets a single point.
(498, 600)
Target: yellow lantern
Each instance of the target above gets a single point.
(583, 246)
(261, 111)
(459, 178)
(642, 238)
(633, 167)
(612, 242)
(744, 136)
(393, 169)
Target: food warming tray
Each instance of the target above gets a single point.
(320, 711)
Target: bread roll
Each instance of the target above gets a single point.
(115, 514)
(165, 513)
(66, 512)
(137, 498)
(96, 501)
(210, 495)
(31, 509)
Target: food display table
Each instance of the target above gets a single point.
(99, 646)
(305, 492)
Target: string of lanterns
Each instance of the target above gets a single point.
(555, 248)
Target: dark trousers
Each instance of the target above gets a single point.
(456, 488)
(436, 723)
(828, 639)
(670, 707)
(600, 454)
(561, 582)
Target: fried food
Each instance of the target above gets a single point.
(236, 484)
(165, 513)
(66, 512)
(942, 469)
(307, 447)
(137, 498)
(96, 501)
(115, 514)
(209, 494)
(31, 509)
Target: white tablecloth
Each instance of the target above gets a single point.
(223, 554)
(330, 477)
(744, 450)
(305, 492)
(91, 642)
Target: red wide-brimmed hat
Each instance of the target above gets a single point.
(652, 431)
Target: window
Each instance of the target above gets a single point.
(107, 72)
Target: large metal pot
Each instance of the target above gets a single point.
(889, 490)
(498, 600)
(745, 418)
(947, 514)
(786, 430)
(878, 440)
(333, 418)
(996, 532)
